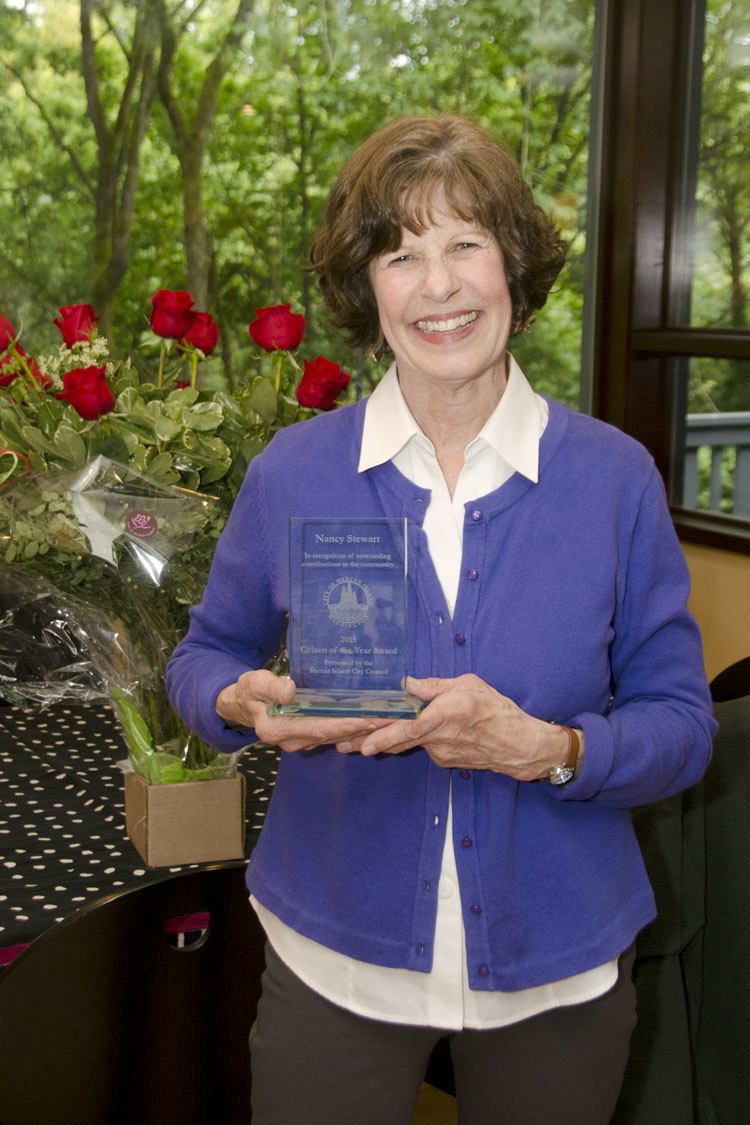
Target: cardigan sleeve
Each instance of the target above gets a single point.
(656, 739)
(235, 627)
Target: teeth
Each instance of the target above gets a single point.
(447, 325)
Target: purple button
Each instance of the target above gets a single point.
(460, 639)
(484, 970)
(475, 909)
(472, 575)
(476, 514)
(464, 775)
(420, 949)
(467, 842)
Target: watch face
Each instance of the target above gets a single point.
(560, 775)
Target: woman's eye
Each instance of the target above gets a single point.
(400, 260)
(466, 245)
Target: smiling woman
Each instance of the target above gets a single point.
(444, 305)
(391, 187)
(470, 873)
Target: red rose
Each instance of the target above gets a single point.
(321, 383)
(203, 334)
(76, 323)
(7, 333)
(172, 315)
(87, 391)
(14, 368)
(277, 329)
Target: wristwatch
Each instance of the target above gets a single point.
(562, 774)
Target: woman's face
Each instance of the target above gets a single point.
(443, 302)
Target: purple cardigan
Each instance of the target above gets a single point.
(578, 614)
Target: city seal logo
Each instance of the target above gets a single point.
(348, 601)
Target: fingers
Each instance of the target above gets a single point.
(300, 733)
(403, 734)
(266, 686)
(429, 687)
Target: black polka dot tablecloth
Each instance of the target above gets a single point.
(62, 815)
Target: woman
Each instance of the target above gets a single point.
(471, 873)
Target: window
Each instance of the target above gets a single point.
(671, 289)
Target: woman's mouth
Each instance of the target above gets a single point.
(447, 324)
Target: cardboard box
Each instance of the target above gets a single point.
(192, 822)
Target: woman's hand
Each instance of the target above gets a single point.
(245, 701)
(470, 725)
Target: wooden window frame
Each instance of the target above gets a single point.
(644, 159)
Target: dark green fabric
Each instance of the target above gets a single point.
(723, 1039)
(690, 1054)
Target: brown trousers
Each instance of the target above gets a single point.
(314, 1063)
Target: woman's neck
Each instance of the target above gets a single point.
(452, 414)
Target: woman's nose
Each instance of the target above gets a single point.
(439, 282)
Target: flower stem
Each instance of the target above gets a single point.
(193, 370)
(162, 359)
(32, 382)
(278, 368)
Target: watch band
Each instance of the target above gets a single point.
(560, 775)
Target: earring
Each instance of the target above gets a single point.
(377, 347)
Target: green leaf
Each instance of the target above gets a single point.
(37, 463)
(35, 439)
(191, 479)
(114, 447)
(229, 405)
(161, 468)
(185, 396)
(70, 445)
(251, 448)
(203, 416)
(263, 399)
(216, 471)
(138, 457)
(165, 429)
(48, 416)
(126, 400)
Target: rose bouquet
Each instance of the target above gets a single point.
(114, 486)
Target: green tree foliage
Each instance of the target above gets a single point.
(304, 84)
(721, 276)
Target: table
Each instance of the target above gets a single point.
(62, 818)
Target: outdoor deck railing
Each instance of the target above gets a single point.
(722, 471)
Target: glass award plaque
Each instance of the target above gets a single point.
(347, 618)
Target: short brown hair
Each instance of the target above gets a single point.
(389, 183)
